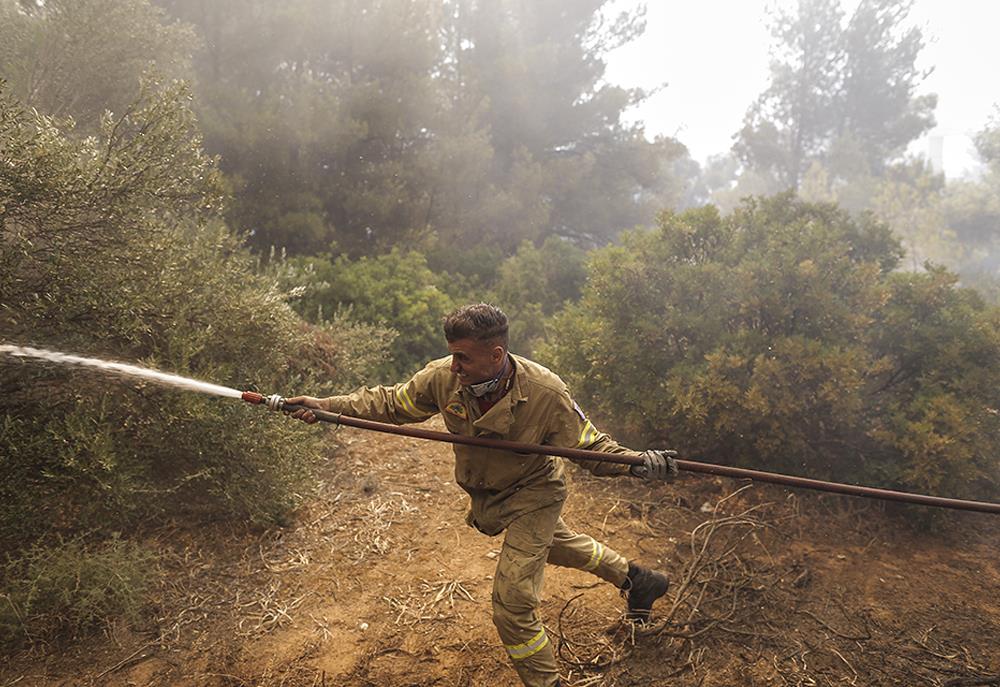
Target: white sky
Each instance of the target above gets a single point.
(713, 55)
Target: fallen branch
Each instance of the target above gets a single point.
(825, 625)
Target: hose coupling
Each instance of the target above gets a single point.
(273, 402)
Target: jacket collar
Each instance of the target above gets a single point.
(500, 417)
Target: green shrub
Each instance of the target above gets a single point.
(533, 284)
(779, 337)
(934, 411)
(68, 588)
(470, 269)
(395, 290)
(112, 247)
(403, 295)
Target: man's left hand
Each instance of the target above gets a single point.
(657, 465)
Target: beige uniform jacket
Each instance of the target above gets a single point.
(537, 409)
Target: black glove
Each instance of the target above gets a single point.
(656, 465)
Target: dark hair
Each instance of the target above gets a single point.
(480, 322)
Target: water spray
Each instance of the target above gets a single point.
(120, 368)
(276, 402)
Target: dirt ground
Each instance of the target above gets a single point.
(380, 582)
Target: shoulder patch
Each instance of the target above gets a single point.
(457, 409)
(578, 411)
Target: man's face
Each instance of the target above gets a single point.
(475, 361)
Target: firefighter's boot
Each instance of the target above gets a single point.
(642, 587)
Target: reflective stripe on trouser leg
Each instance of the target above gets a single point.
(572, 550)
(516, 588)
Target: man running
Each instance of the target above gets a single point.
(481, 389)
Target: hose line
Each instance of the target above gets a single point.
(623, 459)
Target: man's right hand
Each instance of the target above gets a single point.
(304, 414)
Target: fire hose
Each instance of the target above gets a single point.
(276, 402)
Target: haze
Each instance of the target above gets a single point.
(713, 55)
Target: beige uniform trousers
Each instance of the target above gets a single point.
(531, 541)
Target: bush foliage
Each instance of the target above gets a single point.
(533, 284)
(780, 337)
(112, 247)
(393, 291)
(67, 588)
(401, 295)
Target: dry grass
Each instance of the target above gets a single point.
(371, 522)
(430, 602)
(268, 611)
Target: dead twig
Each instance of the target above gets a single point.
(139, 654)
(825, 625)
(846, 663)
(589, 652)
(412, 609)
(972, 681)
(717, 577)
(127, 660)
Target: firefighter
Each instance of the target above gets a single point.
(481, 389)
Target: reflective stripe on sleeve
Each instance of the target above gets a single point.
(519, 652)
(407, 403)
(587, 436)
(596, 555)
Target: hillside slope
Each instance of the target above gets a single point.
(380, 582)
